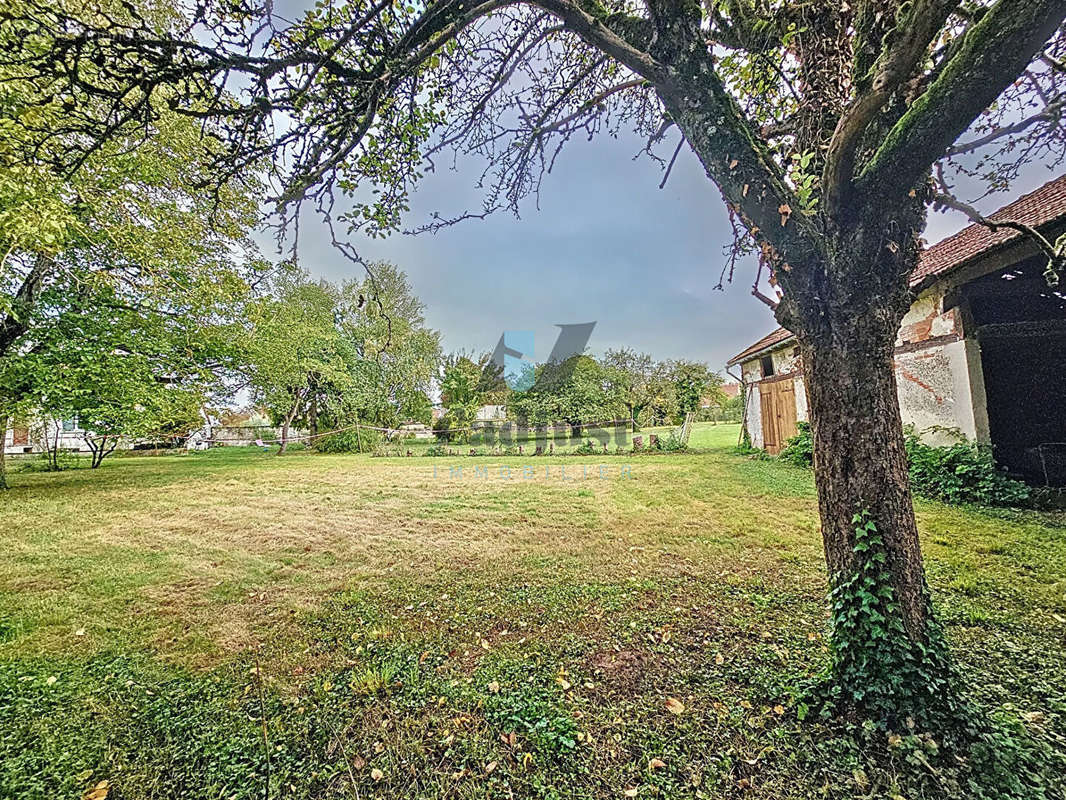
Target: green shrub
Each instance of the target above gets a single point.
(587, 448)
(671, 443)
(452, 428)
(964, 472)
(349, 441)
(65, 458)
(799, 450)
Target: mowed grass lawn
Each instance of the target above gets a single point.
(235, 624)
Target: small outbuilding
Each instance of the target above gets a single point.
(981, 352)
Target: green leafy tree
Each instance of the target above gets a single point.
(693, 382)
(460, 393)
(578, 391)
(342, 356)
(142, 227)
(636, 377)
(124, 373)
(295, 349)
(385, 323)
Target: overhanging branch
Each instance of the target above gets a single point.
(993, 53)
(911, 40)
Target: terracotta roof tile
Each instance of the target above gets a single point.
(1039, 207)
(769, 340)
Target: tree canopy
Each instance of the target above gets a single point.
(317, 351)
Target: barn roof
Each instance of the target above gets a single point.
(1040, 207)
(768, 342)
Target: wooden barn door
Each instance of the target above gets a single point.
(778, 405)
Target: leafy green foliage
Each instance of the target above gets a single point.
(670, 443)
(461, 394)
(694, 380)
(964, 472)
(799, 450)
(349, 441)
(877, 667)
(578, 391)
(329, 356)
(643, 384)
(906, 688)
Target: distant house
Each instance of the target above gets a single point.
(981, 352)
(40, 434)
(37, 436)
(415, 430)
(491, 413)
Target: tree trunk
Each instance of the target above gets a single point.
(3, 451)
(860, 463)
(53, 447)
(889, 659)
(99, 450)
(285, 428)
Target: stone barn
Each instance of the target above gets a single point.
(981, 352)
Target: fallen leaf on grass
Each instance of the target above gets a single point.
(656, 763)
(490, 767)
(675, 706)
(376, 774)
(98, 792)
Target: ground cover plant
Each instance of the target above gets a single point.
(961, 472)
(237, 624)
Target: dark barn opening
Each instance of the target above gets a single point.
(1021, 328)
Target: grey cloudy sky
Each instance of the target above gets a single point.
(606, 244)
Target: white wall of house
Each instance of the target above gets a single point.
(938, 372)
(489, 413)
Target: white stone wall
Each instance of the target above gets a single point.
(754, 414)
(941, 392)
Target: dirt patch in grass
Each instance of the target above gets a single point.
(621, 670)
